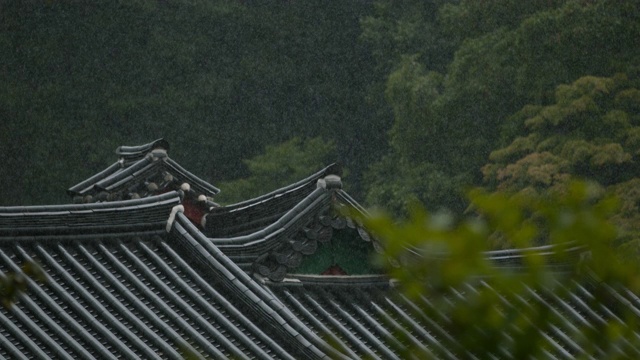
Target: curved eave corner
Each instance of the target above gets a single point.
(277, 249)
(136, 152)
(333, 169)
(141, 171)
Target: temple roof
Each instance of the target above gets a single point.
(119, 285)
(138, 278)
(140, 171)
(271, 235)
(252, 215)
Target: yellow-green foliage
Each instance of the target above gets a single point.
(588, 124)
(628, 99)
(591, 132)
(15, 283)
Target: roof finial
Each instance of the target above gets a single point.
(185, 187)
(330, 182)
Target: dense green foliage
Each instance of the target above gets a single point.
(545, 92)
(590, 132)
(220, 80)
(418, 99)
(507, 54)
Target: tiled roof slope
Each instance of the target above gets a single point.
(284, 237)
(276, 318)
(365, 317)
(119, 286)
(140, 171)
(253, 215)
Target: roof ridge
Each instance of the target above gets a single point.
(140, 171)
(332, 169)
(276, 227)
(137, 151)
(257, 299)
(29, 209)
(102, 219)
(280, 245)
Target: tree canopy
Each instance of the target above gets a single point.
(220, 80)
(505, 56)
(590, 132)
(415, 95)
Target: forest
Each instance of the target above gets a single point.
(418, 100)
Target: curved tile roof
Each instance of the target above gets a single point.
(120, 290)
(143, 170)
(280, 241)
(254, 214)
(137, 152)
(137, 279)
(282, 323)
(85, 220)
(365, 317)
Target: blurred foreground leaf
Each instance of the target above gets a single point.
(496, 303)
(14, 283)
